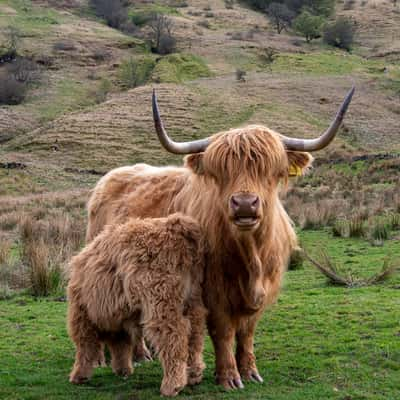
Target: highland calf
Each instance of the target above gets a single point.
(140, 275)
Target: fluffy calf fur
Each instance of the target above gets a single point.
(144, 274)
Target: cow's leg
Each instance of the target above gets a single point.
(88, 346)
(245, 357)
(121, 349)
(222, 332)
(196, 313)
(168, 332)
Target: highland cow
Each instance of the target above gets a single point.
(143, 274)
(230, 183)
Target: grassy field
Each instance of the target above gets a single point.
(80, 120)
(318, 341)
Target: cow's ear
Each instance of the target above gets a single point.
(299, 162)
(195, 163)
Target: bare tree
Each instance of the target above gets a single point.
(163, 39)
(280, 16)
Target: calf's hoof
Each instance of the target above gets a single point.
(195, 374)
(123, 371)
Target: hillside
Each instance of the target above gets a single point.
(298, 97)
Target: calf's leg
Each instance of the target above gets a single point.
(168, 332)
(121, 348)
(196, 313)
(86, 339)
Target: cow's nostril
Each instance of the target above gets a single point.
(255, 202)
(235, 202)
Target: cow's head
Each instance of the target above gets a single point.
(245, 165)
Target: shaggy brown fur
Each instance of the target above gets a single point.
(144, 273)
(243, 268)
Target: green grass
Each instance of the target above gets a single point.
(318, 342)
(67, 95)
(142, 14)
(178, 68)
(31, 19)
(329, 62)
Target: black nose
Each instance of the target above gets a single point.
(245, 204)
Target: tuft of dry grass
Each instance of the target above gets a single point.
(337, 275)
(46, 246)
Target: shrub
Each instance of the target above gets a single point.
(340, 33)
(356, 226)
(12, 92)
(162, 36)
(64, 45)
(204, 23)
(349, 5)
(394, 220)
(296, 260)
(101, 91)
(268, 56)
(308, 25)
(179, 67)
(380, 231)
(339, 229)
(135, 72)
(229, 4)
(280, 16)
(112, 11)
(241, 75)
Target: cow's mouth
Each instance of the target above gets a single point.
(245, 222)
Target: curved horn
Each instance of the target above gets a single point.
(195, 146)
(322, 141)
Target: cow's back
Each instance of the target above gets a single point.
(136, 191)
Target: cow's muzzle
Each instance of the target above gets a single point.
(245, 210)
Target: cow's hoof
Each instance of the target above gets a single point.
(252, 375)
(230, 382)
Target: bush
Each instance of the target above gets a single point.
(241, 75)
(115, 13)
(296, 260)
(340, 33)
(162, 36)
(268, 56)
(64, 45)
(280, 16)
(229, 4)
(308, 25)
(178, 67)
(135, 72)
(101, 91)
(12, 92)
(316, 7)
(380, 231)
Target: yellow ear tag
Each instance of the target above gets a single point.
(295, 170)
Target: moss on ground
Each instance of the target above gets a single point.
(180, 67)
